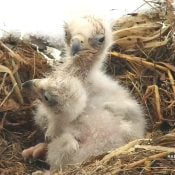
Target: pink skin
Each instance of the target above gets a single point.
(37, 151)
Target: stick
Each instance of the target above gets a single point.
(156, 148)
(16, 88)
(142, 61)
(13, 54)
(120, 150)
(139, 162)
(138, 60)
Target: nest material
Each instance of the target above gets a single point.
(19, 62)
(142, 57)
(137, 157)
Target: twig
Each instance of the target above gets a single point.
(3, 81)
(142, 61)
(34, 66)
(8, 95)
(171, 80)
(16, 75)
(149, 3)
(155, 89)
(171, 104)
(138, 60)
(139, 162)
(16, 88)
(157, 102)
(154, 157)
(13, 54)
(156, 148)
(119, 151)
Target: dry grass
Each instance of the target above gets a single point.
(19, 62)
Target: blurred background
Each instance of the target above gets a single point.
(47, 16)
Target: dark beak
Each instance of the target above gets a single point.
(31, 89)
(31, 85)
(76, 46)
(28, 85)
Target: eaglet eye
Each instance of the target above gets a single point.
(50, 99)
(97, 40)
(66, 34)
(101, 39)
(47, 96)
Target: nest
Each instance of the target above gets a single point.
(137, 157)
(19, 62)
(142, 57)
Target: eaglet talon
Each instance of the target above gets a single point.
(37, 151)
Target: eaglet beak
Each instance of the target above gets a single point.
(31, 85)
(77, 45)
(31, 90)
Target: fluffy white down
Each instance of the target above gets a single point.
(71, 98)
(111, 117)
